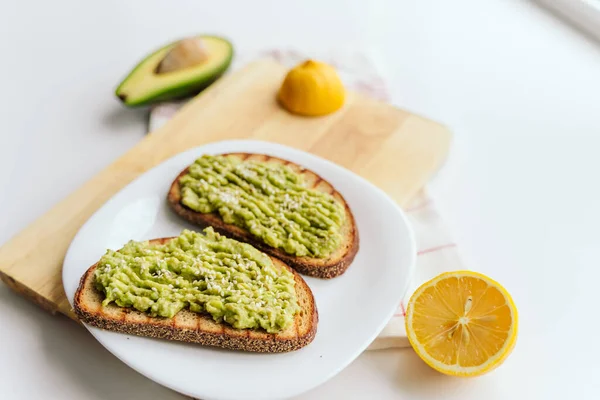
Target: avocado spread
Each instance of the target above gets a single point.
(232, 281)
(269, 200)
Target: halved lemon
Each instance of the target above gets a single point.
(462, 323)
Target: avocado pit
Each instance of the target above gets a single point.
(187, 53)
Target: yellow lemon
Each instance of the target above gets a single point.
(312, 88)
(462, 323)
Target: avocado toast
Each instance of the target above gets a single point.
(201, 288)
(281, 208)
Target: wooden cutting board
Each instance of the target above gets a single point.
(394, 149)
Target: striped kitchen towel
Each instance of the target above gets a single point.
(437, 252)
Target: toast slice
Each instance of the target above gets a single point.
(188, 326)
(330, 267)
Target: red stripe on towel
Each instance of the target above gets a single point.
(433, 249)
(402, 312)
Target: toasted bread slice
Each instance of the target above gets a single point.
(330, 267)
(188, 326)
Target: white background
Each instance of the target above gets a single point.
(519, 89)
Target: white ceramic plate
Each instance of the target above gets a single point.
(353, 308)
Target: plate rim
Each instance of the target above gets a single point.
(271, 149)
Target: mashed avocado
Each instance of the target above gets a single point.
(230, 280)
(269, 200)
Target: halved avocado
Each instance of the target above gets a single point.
(145, 86)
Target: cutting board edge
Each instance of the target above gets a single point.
(26, 291)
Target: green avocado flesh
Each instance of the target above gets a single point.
(144, 86)
(269, 200)
(232, 281)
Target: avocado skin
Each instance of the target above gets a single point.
(176, 92)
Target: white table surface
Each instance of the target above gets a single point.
(519, 89)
